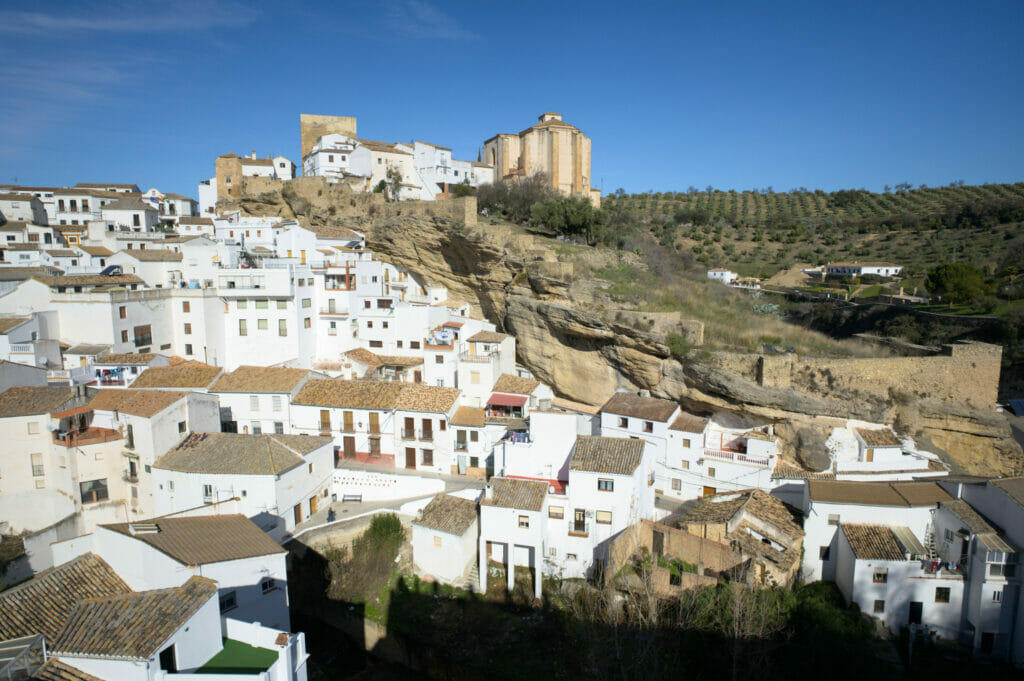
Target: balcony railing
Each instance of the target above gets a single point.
(461, 446)
(578, 529)
(482, 359)
(325, 427)
(22, 348)
(408, 433)
(128, 476)
(737, 457)
(427, 436)
(89, 436)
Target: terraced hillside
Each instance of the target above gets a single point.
(763, 232)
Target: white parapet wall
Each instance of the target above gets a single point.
(372, 486)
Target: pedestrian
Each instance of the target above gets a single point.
(330, 515)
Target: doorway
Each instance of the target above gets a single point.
(915, 612)
(297, 513)
(167, 660)
(708, 491)
(312, 505)
(410, 457)
(349, 447)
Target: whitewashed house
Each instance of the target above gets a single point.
(22, 207)
(859, 269)
(886, 571)
(132, 214)
(444, 538)
(722, 275)
(259, 399)
(829, 503)
(421, 417)
(513, 527)
(281, 480)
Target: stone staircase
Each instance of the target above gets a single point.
(472, 579)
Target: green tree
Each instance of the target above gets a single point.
(394, 182)
(957, 282)
(572, 215)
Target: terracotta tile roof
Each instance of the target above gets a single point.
(613, 455)
(363, 356)
(154, 255)
(192, 220)
(382, 146)
(238, 454)
(145, 403)
(129, 203)
(23, 273)
(62, 253)
(251, 379)
(13, 246)
(447, 513)
(8, 323)
(246, 161)
(86, 349)
(42, 604)
(486, 336)
(507, 383)
(878, 438)
(349, 394)
(89, 280)
(971, 518)
(785, 471)
(104, 185)
(98, 251)
(570, 405)
(526, 495)
(873, 542)
(689, 423)
(469, 417)
(428, 398)
(134, 625)
(399, 360)
(185, 375)
(126, 358)
(877, 493)
(55, 670)
(631, 404)
(16, 197)
(31, 400)
(1011, 487)
(204, 539)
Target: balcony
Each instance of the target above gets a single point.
(325, 427)
(334, 313)
(427, 436)
(408, 433)
(89, 436)
(737, 457)
(579, 529)
(128, 476)
(461, 446)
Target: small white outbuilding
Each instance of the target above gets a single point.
(444, 538)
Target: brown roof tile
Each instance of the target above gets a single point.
(469, 417)
(238, 454)
(1011, 487)
(185, 375)
(527, 495)
(613, 455)
(145, 403)
(878, 438)
(191, 220)
(873, 542)
(689, 423)
(132, 625)
(89, 280)
(426, 398)
(32, 400)
(363, 356)
(507, 383)
(447, 513)
(399, 360)
(631, 404)
(877, 493)
(154, 255)
(42, 604)
(380, 395)
(251, 379)
(16, 197)
(98, 251)
(204, 539)
(486, 337)
(785, 471)
(55, 670)
(8, 323)
(126, 358)
(971, 518)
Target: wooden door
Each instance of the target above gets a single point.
(374, 422)
(312, 505)
(349, 447)
(708, 491)
(297, 513)
(410, 457)
(869, 455)
(428, 429)
(410, 427)
(325, 419)
(347, 416)
(417, 376)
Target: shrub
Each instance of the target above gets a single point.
(571, 215)
(678, 345)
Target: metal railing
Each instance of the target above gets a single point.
(578, 529)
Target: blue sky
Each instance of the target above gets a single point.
(729, 94)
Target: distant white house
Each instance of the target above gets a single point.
(858, 269)
(444, 538)
(721, 274)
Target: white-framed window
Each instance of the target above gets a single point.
(524, 521)
(275, 402)
(603, 517)
(677, 484)
(833, 518)
(33, 427)
(267, 585)
(228, 601)
(606, 485)
(254, 402)
(556, 512)
(880, 576)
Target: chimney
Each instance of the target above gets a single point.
(253, 154)
(489, 492)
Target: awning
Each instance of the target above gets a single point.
(503, 400)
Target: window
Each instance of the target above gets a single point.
(438, 359)
(94, 491)
(570, 556)
(443, 424)
(474, 377)
(833, 518)
(208, 492)
(881, 576)
(279, 427)
(124, 336)
(686, 442)
(606, 485)
(428, 457)
(267, 585)
(188, 349)
(254, 402)
(262, 304)
(37, 465)
(879, 607)
(437, 540)
(711, 472)
(603, 517)
(143, 335)
(399, 343)
(366, 304)
(376, 344)
(474, 436)
(374, 446)
(262, 324)
(256, 428)
(306, 302)
(33, 427)
(997, 596)
(310, 468)
(824, 552)
(122, 312)
(677, 484)
(684, 464)
(948, 534)
(228, 601)
(243, 304)
(942, 594)
(648, 427)
(556, 512)
(188, 329)
(414, 345)
(623, 422)
(1001, 570)
(524, 521)
(243, 327)
(282, 305)
(282, 327)
(186, 306)
(369, 325)
(306, 323)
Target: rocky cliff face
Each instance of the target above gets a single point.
(568, 339)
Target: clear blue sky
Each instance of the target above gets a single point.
(734, 95)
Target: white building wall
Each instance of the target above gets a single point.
(448, 562)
